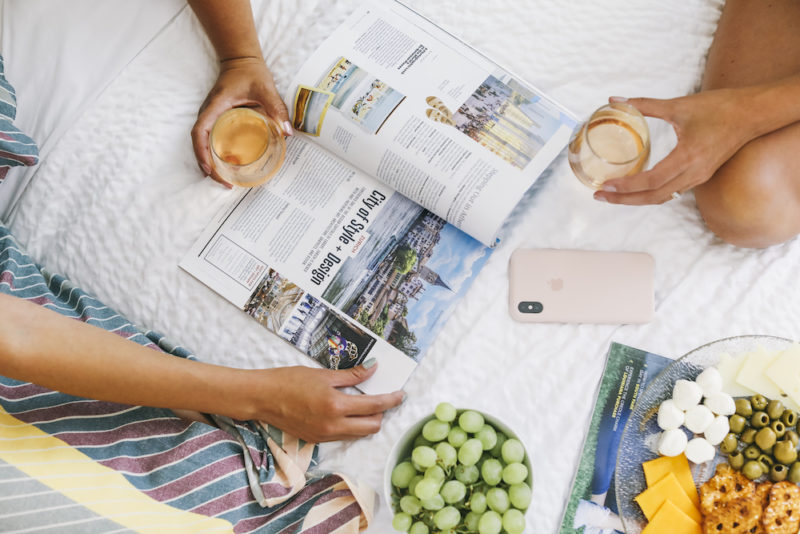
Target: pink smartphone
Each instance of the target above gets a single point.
(581, 286)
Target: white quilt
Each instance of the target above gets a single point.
(118, 200)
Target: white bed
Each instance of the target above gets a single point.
(118, 199)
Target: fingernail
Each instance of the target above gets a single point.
(609, 188)
(600, 198)
(287, 128)
(617, 99)
(369, 362)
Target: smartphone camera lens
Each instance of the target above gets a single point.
(527, 306)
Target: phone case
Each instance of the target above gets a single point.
(581, 286)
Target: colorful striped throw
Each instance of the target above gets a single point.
(16, 148)
(69, 464)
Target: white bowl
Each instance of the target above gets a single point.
(403, 446)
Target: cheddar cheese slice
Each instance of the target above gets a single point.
(669, 519)
(655, 470)
(667, 489)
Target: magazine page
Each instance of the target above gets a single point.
(592, 505)
(419, 110)
(338, 264)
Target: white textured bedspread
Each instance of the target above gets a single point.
(119, 199)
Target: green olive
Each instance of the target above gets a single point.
(792, 436)
(736, 460)
(752, 470)
(778, 472)
(759, 402)
(752, 452)
(767, 460)
(729, 444)
(759, 420)
(789, 418)
(765, 438)
(779, 428)
(744, 408)
(785, 452)
(775, 409)
(749, 436)
(794, 473)
(737, 423)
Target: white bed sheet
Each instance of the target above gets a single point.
(117, 203)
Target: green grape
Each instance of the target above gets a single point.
(501, 438)
(515, 473)
(413, 484)
(497, 499)
(520, 495)
(402, 522)
(434, 503)
(477, 502)
(424, 456)
(410, 505)
(418, 528)
(490, 523)
(470, 421)
(453, 491)
(487, 436)
(435, 430)
(402, 474)
(436, 473)
(513, 521)
(471, 521)
(426, 489)
(470, 452)
(419, 441)
(445, 412)
(492, 471)
(446, 453)
(456, 437)
(512, 451)
(468, 474)
(446, 518)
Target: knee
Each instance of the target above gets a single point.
(750, 201)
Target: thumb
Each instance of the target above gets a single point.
(352, 376)
(649, 107)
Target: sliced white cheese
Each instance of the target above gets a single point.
(752, 373)
(728, 367)
(784, 371)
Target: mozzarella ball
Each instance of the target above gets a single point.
(686, 394)
(717, 430)
(669, 415)
(699, 451)
(720, 403)
(710, 381)
(697, 418)
(672, 442)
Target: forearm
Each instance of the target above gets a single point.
(230, 27)
(44, 347)
(769, 107)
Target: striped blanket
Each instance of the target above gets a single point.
(69, 464)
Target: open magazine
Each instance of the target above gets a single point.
(592, 505)
(415, 148)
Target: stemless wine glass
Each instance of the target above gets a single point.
(614, 142)
(247, 148)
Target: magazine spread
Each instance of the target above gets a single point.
(592, 505)
(415, 148)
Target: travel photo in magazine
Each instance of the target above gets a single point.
(411, 151)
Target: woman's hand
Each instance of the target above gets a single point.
(306, 403)
(242, 82)
(711, 126)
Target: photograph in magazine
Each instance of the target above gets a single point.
(310, 107)
(361, 97)
(592, 506)
(305, 322)
(410, 270)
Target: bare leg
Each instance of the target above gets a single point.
(754, 199)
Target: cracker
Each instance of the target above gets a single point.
(724, 488)
(782, 514)
(738, 516)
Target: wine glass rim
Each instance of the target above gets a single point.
(268, 122)
(628, 109)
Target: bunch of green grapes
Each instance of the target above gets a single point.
(463, 476)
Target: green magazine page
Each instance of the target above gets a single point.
(592, 506)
